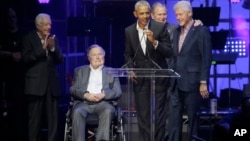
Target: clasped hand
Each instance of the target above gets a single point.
(95, 97)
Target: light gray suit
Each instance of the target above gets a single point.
(82, 107)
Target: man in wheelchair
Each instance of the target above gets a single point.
(93, 90)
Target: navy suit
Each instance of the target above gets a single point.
(193, 64)
(135, 57)
(41, 84)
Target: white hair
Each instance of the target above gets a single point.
(40, 17)
(184, 5)
(95, 46)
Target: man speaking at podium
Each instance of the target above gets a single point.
(147, 45)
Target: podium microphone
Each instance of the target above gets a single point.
(136, 52)
(155, 63)
(151, 58)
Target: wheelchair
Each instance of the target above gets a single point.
(116, 128)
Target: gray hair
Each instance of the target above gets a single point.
(40, 17)
(184, 5)
(95, 46)
(158, 4)
(142, 3)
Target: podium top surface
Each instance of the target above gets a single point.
(141, 72)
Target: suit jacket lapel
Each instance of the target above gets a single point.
(187, 39)
(138, 40)
(37, 40)
(85, 76)
(148, 44)
(104, 77)
(177, 36)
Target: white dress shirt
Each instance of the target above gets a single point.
(142, 37)
(95, 80)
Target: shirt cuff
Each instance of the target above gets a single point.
(203, 82)
(155, 44)
(52, 49)
(86, 92)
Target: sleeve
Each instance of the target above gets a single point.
(164, 43)
(31, 51)
(75, 90)
(205, 47)
(114, 90)
(128, 53)
(57, 54)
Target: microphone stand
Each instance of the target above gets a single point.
(136, 52)
(125, 65)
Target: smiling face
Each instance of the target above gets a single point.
(159, 14)
(183, 17)
(142, 13)
(44, 26)
(96, 57)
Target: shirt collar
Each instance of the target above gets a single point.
(138, 28)
(99, 68)
(39, 35)
(189, 25)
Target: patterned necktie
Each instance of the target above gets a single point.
(181, 40)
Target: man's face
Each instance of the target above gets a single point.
(183, 17)
(44, 27)
(143, 15)
(96, 57)
(12, 19)
(160, 14)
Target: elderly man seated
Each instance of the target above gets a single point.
(93, 89)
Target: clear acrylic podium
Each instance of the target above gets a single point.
(140, 72)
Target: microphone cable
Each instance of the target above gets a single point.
(149, 57)
(136, 51)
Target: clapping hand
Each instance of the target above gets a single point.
(49, 42)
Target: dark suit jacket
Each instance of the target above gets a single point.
(194, 60)
(40, 69)
(171, 28)
(111, 85)
(133, 51)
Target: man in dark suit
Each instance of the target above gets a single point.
(192, 60)
(41, 53)
(147, 45)
(93, 89)
(160, 13)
